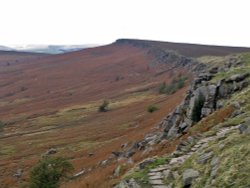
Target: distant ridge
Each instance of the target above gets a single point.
(186, 49)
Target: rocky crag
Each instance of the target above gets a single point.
(197, 159)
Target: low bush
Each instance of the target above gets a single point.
(104, 106)
(152, 108)
(49, 171)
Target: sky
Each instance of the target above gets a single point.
(217, 22)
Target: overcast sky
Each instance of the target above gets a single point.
(221, 22)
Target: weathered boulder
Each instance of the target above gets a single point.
(188, 176)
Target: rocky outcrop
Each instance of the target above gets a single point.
(161, 55)
(202, 99)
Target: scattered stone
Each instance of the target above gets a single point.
(131, 183)
(117, 171)
(190, 139)
(159, 169)
(104, 162)
(51, 151)
(124, 145)
(117, 153)
(188, 176)
(156, 182)
(18, 173)
(221, 146)
(177, 153)
(236, 105)
(178, 160)
(215, 161)
(155, 177)
(91, 154)
(176, 175)
(167, 174)
(243, 129)
(236, 113)
(162, 186)
(79, 173)
(146, 162)
(130, 161)
(154, 174)
(205, 157)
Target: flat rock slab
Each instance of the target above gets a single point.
(178, 160)
(158, 169)
(154, 174)
(156, 182)
(160, 186)
(155, 177)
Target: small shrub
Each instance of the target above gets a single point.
(1, 125)
(162, 88)
(104, 106)
(49, 172)
(152, 108)
(176, 83)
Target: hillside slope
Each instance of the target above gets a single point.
(212, 152)
(51, 103)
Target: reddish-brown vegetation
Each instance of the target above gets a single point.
(53, 101)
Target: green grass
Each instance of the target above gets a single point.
(245, 58)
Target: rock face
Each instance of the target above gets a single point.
(202, 99)
(188, 176)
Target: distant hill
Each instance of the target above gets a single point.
(51, 49)
(5, 48)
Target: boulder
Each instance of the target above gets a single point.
(188, 176)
